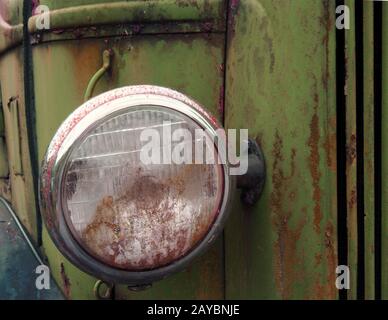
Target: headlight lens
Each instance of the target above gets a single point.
(131, 215)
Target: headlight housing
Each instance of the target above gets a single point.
(116, 217)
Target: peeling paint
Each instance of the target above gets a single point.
(351, 149)
(330, 150)
(287, 259)
(233, 10)
(331, 259)
(314, 158)
(221, 100)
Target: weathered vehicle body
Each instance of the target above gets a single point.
(273, 67)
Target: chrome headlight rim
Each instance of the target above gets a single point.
(64, 141)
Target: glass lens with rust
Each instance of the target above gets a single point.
(132, 215)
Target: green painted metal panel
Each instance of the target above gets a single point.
(369, 155)
(73, 283)
(281, 86)
(351, 148)
(12, 95)
(384, 148)
(59, 4)
(140, 12)
(191, 64)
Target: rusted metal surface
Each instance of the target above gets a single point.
(137, 61)
(16, 136)
(369, 154)
(133, 17)
(123, 30)
(66, 285)
(280, 85)
(314, 159)
(287, 238)
(384, 153)
(282, 88)
(351, 150)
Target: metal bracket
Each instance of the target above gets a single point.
(106, 62)
(107, 295)
(252, 183)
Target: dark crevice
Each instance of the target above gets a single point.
(342, 232)
(377, 142)
(228, 12)
(30, 112)
(360, 149)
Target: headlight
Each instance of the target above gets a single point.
(117, 216)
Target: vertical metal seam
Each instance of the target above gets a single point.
(341, 151)
(369, 169)
(378, 145)
(30, 111)
(359, 25)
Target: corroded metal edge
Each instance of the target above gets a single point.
(137, 13)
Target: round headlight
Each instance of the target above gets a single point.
(119, 198)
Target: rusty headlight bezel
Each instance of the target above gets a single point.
(54, 163)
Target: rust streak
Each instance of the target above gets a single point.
(331, 260)
(351, 149)
(330, 150)
(318, 259)
(327, 23)
(314, 158)
(234, 5)
(324, 284)
(65, 281)
(221, 101)
(287, 260)
(353, 199)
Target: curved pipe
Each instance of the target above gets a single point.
(93, 81)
